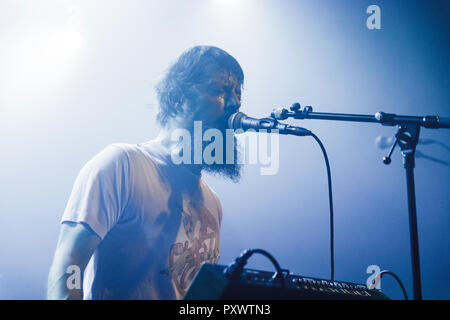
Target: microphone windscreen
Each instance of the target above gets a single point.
(235, 119)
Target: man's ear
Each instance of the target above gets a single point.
(190, 106)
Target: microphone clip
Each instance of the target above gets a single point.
(407, 137)
(295, 112)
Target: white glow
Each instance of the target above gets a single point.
(230, 13)
(43, 57)
(228, 2)
(71, 42)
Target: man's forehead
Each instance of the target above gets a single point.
(224, 78)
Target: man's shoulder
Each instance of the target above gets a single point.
(122, 147)
(115, 154)
(123, 150)
(145, 153)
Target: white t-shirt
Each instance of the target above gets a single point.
(158, 222)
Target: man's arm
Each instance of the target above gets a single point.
(76, 244)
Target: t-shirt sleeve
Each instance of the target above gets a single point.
(100, 191)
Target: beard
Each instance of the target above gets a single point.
(231, 171)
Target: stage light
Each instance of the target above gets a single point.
(227, 2)
(43, 55)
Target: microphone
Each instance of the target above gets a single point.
(240, 120)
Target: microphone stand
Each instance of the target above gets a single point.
(407, 138)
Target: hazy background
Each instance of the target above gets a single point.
(76, 76)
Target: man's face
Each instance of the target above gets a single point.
(215, 100)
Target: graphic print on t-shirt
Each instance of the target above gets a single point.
(201, 245)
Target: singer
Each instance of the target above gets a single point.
(137, 225)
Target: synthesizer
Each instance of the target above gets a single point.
(211, 283)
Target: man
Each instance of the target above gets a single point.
(137, 225)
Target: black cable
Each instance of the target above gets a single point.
(330, 197)
(235, 269)
(396, 278)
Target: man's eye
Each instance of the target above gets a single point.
(217, 91)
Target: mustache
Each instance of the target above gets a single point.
(222, 122)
